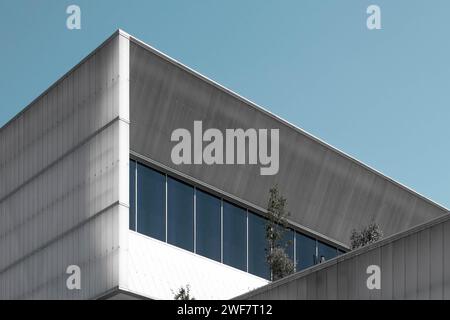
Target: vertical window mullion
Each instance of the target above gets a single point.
(246, 242)
(295, 251)
(195, 219)
(317, 252)
(221, 230)
(165, 209)
(135, 197)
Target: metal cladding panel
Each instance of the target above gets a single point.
(331, 283)
(321, 283)
(387, 280)
(93, 247)
(423, 265)
(446, 249)
(436, 262)
(311, 286)
(327, 191)
(61, 162)
(301, 288)
(291, 292)
(360, 276)
(398, 270)
(343, 278)
(353, 284)
(413, 265)
(373, 258)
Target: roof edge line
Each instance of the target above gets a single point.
(118, 32)
(285, 122)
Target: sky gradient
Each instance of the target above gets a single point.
(381, 96)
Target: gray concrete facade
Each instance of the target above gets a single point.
(63, 161)
(64, 181)
(327, 191)
(414, 265)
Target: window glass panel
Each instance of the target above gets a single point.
(234, 236)
(257, 244)
(305, 251)
(326, 252)
(180, 214)
(208, 225)
(151, 217)
(132, 223)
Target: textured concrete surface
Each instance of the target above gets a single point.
(64, 182)
(327, 191)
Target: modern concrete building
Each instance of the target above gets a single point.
(88, 179)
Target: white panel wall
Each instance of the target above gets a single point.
(63, 168)
(157, 270)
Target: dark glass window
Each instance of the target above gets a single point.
(132, 223)
(151, 219)
(325, 251)
(257, 245)
(148, 216)
(305, 248)
(208, 225)
(234, 236)
(180, 214)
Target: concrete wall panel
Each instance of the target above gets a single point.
(327, 191)
(61, 162)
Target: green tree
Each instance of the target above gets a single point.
(183, 294)
(279, 262)
(365, 236)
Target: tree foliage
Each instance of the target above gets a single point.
(183, 294)
(279, 262)
(365, 236)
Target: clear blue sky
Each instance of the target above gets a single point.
(382, 96)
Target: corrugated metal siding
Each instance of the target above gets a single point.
(326, 191)
(414, 265)
(60, 163)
